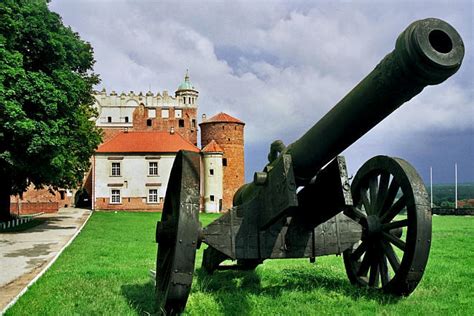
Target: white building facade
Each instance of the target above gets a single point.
(131, 171)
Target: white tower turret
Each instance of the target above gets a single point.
(186, 94)
(213, 175)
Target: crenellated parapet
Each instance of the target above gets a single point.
(149, 99)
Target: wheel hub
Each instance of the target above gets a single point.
(373, 226)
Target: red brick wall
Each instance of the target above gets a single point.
(230, 136)
(25, 208)
(42, 197)
(110, 132)
(128, 204)
(88, 182)
(140, 117)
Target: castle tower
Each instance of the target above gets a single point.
(228, 133)
(187, 97)
(213, 177)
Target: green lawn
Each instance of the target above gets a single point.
(106, 271)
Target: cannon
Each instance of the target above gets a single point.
(302, 205)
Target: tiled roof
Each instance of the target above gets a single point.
(146, 142)
(223, 118)
(212, 147)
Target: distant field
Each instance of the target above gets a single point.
(105, 271)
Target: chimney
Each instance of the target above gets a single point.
(172, 130)
(204, 117)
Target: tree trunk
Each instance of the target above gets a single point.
(5, 190)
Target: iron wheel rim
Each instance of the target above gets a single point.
(177, 235)
(393, 252)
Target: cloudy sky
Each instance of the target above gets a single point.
(280, 65)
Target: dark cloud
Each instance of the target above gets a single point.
(279, 66)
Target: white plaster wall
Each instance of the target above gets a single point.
(119, 106)
(212, 184)
(134, 175)
(118, 116)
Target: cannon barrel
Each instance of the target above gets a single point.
(428, 52)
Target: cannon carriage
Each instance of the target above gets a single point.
(302, 204)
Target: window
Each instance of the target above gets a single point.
(153, 168)
(181, 123)
(211, 197)
(178, 113)
(148, 122)
(165, 113)
(224, 162)
(62, 194)
(211, 172)
(109, 119)
(193, 123)
(115, 197)
(126, 119)
(115, 169)
(151, 113)
(153, 196)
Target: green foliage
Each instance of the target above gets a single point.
(106, 271)
(443, 194)
(46, 132)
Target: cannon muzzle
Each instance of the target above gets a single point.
(427, 53)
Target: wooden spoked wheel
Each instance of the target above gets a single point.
(177, 235)
(391, 204)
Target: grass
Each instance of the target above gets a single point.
(106, 271)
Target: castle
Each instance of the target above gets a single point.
(142, 134)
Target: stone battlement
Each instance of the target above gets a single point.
(149, 99)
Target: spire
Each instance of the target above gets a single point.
(186, 85)
(186, 77)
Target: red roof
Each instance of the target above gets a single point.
(223, 118)
(146, 142)
(212, 147)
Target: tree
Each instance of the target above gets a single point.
(47, 134)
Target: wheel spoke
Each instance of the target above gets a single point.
(391, 195)
(373, 184)
(391, 256)
(374, 274)
(395, 224)
(383, 269)
(365, 264)
(365, 201)
(382, 193)
(355, 213)
(395, 240)
(359, 251)
(394, 210)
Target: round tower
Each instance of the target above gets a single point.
(213, 177)
(228, 133)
